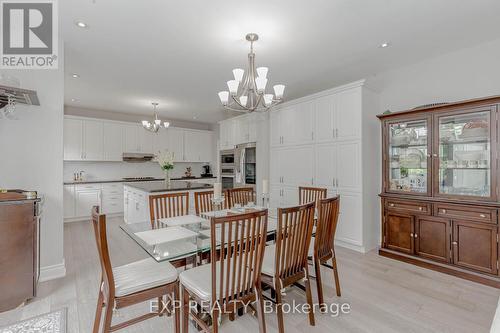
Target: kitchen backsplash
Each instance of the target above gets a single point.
(118, 170)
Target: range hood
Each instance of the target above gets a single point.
(137, 157)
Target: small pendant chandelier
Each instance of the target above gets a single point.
(157, 123)
(248, 90)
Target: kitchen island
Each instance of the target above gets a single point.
(136, 196)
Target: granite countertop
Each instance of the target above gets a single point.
(161, 186)
(97, 181)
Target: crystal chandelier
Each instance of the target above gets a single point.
(248, 89)
(157, 123)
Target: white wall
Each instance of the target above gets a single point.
(31, 150)
(464, 74)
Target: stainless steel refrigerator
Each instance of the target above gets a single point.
(245, 163)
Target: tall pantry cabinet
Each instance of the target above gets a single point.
(331, 140)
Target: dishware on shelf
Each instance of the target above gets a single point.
(483, 163)
(451, 164)
(394, 164)
(470, 155)
(412, 158)
(473, 164)
(462, 163)
(475, 129)
(423, 164)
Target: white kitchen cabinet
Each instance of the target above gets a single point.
(192, 146)
(113, 141)
(326, 118)
(245, 129)
(227, 134)
(349, 112)
(131, 138)
(336, 156)
(69, 201)
(160, 142)
(176, 143)
(73, 139)
(146, 140)
(85, 199)
(206, 146)
(326, 165)
(93, 140)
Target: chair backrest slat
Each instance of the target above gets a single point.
(203, 202)
(293, 237)
(326, 226)
(241, 196)
(311, 194)
(236, 267)
(167, 205)
(99, 223)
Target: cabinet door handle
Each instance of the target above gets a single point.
(443, 211)
(420, 208)
(454, 243)
(333, 133)
(411, 235)
(391, 205)
(482, 215)
(336, 132)
(415, 236)
(435, 155)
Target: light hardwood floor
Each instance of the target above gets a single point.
(384, 295)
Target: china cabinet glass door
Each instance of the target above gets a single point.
(464, 157)
(407, 156)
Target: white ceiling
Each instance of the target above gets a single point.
(181, 53)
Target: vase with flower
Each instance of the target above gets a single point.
(166, 161)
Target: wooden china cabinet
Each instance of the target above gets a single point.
(440, 191)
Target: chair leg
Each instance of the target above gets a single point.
(260, 310)
(185, 310)
(279, 308)
(336, 274)
(160, 306)
(98, 313)
(177, 312)
(310, 301)
(317, 270)
(108, 315)
(215, 321)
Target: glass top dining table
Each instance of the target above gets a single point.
(181, 237)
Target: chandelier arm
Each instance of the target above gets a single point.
(237, 102)
(236, 110)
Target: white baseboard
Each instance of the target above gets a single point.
(350, 245)
(52, 272)
(88, 218)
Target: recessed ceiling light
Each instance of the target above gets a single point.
(384, 45)
(75, 76)
(74, 100)
(81, 24)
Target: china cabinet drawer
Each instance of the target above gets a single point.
(466, 212)
(87, 187)
(408, 206)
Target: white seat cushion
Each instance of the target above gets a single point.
(142, 275)
(198, 280)
(268, 264)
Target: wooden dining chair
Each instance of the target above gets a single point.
(203, 201)
(232, 279)
(285, 262)
(310, 194)
(130, 284)
(241, 196)
(167, 205)
(322, 248)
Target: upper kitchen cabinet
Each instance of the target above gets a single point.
(92, 140)
(83, 140)
(73, 139)
(227, 134)
(245, 128)
(176, 143)
(197, 146)
(137, 139)
(130, 138)
(113, 141)
(338, 116)
(293, 125)
(160, 142)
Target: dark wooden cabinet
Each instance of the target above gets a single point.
(399, 232)
(432, 238)
(475, 246)
(440, 192)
